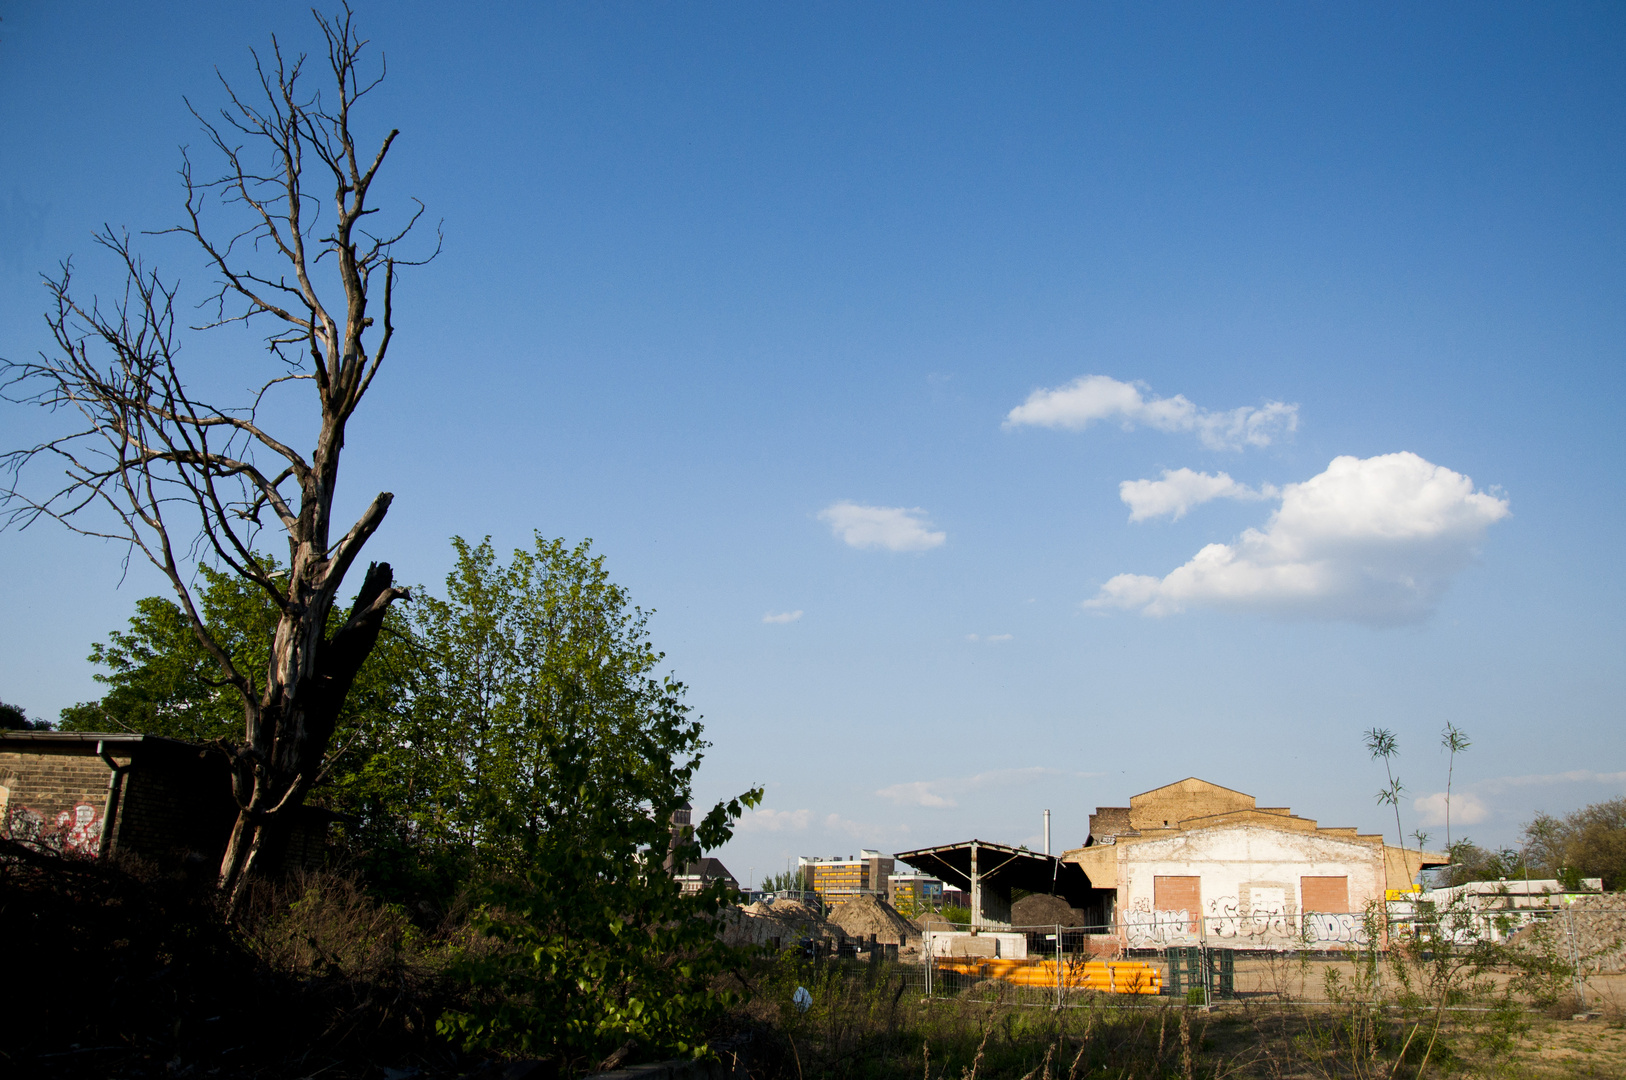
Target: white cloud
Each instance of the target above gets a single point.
(1499, 784)
(1181, 489)
(990, 639)
(1466, 808)
(781, 616)
(894, 528)
(862, 831)
(935, 794)
(1101, 397)
(917, 793)
(1373, 540)
(765, 820)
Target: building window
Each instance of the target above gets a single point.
(1179, 893)
(1327, 895)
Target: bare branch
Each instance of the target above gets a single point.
(142, 460)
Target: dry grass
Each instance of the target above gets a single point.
(872, 1024)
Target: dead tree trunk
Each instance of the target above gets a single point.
(149, 465)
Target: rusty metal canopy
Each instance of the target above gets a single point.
(1002, 869)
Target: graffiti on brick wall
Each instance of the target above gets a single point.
(25, 824)
(1146, 928)
(76, 832)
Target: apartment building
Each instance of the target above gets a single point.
(837, 878)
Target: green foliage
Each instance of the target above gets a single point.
(161, 680)
(541, 743)
(955, 914)
(502, 662)
(1589, 843)
(598, 944)
(512, 738)
(1470, 862)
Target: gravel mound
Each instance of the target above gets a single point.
(1599, 925)
(865, 915)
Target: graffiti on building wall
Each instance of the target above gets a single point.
(77, 831)
(1228, 918)
(1342, 929)
(1146, 927)
(1265, 914)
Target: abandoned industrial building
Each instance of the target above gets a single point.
(1192, 861)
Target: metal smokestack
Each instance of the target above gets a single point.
(1047, 832)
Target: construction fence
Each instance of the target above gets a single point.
(1540, 958)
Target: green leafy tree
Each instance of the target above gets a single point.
(510, 653)
(785, 881)
(1470, 862)
(1591, 842)
(600, 950)
(542, 743)
(162, 681)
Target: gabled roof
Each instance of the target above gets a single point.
(1190, 785)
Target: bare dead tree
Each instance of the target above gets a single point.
(148, 464)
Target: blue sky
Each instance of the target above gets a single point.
(788, 310)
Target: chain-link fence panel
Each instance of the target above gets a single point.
(1407, 954)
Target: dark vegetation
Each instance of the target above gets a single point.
(130, 973)
(12, 718)
(121, 970)
(505, 769)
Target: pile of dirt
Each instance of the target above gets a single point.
(784, 922)
(1042, 910)
(864, 916)
(931, 920)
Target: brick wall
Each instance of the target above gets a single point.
(1190, 798)
(54, 798)
(175, 807)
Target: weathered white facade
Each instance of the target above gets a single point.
(1197, 863)
(1250, 886)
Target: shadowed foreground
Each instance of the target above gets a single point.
(123, 972)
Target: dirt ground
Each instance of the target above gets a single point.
(1285, 978)
(1261, 1044)
(1570, 1049)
